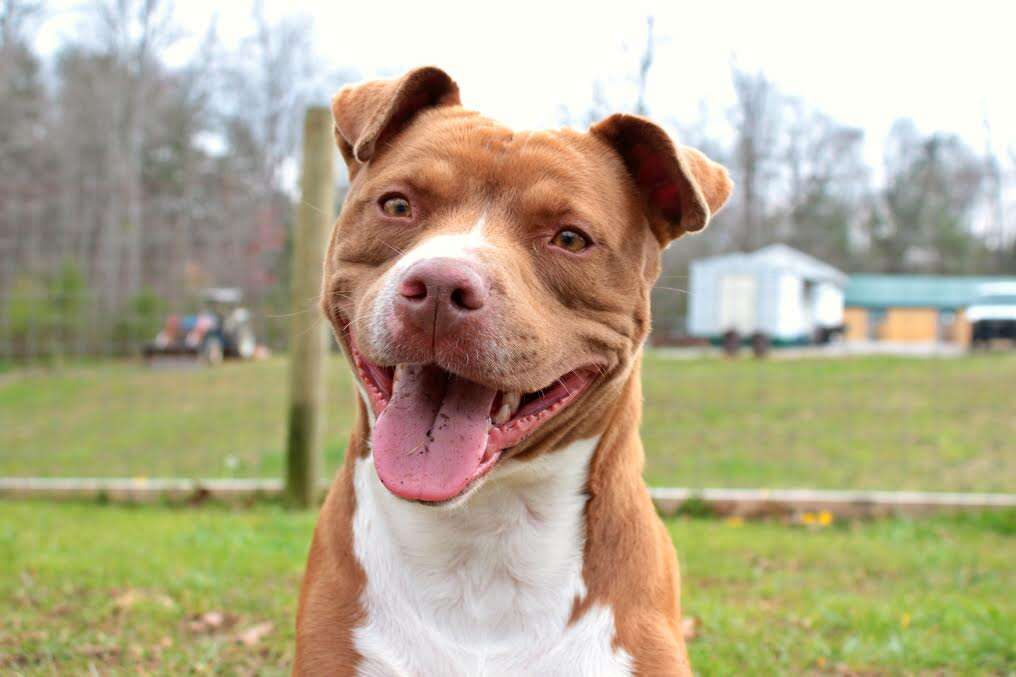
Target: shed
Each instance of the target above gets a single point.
(913, 308)
(778, 291)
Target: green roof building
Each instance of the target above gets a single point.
(913, 308)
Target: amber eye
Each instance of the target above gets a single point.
(570, 240)
(396, 207)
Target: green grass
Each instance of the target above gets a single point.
(872, 423)
(118, 588)
(888, 423)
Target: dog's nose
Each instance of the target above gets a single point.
(453, 289)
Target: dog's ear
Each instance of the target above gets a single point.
(681, 187)
(369, 113)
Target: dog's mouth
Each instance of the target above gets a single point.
(436, 433)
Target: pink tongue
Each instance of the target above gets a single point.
(429, 441)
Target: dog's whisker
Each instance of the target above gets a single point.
(315, 208)
(563, 385)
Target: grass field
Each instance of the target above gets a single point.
(880, 423)
(185, 591)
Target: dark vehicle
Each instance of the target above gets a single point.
(993, 317)
(221, 329)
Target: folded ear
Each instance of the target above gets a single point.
(371, 112)
(682, 188)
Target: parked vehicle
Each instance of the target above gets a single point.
(221, 329)
(992, 316)
(776, 296)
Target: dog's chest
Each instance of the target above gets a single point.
(486, 588)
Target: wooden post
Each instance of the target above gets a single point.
(308, 339)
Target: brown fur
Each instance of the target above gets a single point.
(628, 186)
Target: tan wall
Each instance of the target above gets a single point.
(856, 323)
(910, 325)
(962, 330)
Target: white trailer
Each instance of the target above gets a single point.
(777, 291)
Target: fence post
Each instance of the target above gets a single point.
(308, 339)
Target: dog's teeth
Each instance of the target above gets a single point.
(503, 414)
(511, 400)
(509, 405)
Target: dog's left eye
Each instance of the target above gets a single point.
(570, 240)
(396, 206)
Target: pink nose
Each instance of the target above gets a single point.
(442, 290)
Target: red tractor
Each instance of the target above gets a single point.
(221, 329)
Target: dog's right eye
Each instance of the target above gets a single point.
(396, 207)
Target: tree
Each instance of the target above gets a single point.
(826, 181)
(129, 38)
(756, 119)
(23, 155)
(924, 212)
(645, 65)
(270, 84)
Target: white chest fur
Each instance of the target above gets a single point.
(484, 588)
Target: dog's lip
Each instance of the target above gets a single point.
(379, 382)
(535, 408)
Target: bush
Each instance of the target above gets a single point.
(139, 323)
(46, 314)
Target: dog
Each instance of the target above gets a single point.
(490, 290)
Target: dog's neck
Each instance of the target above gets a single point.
(516, 544)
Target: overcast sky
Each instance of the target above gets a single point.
(947, 66)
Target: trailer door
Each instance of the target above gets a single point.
(737, 304)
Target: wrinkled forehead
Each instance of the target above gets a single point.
(456, 156)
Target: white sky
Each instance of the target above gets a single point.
(945, 65)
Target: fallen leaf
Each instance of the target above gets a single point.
(127, 599)
(255, 633)
(165, 600)
(211, 621)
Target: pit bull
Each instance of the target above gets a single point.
(490, 290)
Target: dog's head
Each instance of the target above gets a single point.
(491, 287)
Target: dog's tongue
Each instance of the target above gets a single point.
(430, 439)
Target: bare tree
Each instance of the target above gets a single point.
(270, 82)
(132, 34)
(826, 180)
(600, 106)
(996, 236)
(16, 18)
(22, 160)
(756, 118)
(932, 185)
(645, 65)
(21, 88)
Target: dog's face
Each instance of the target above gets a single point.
(491, 288)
